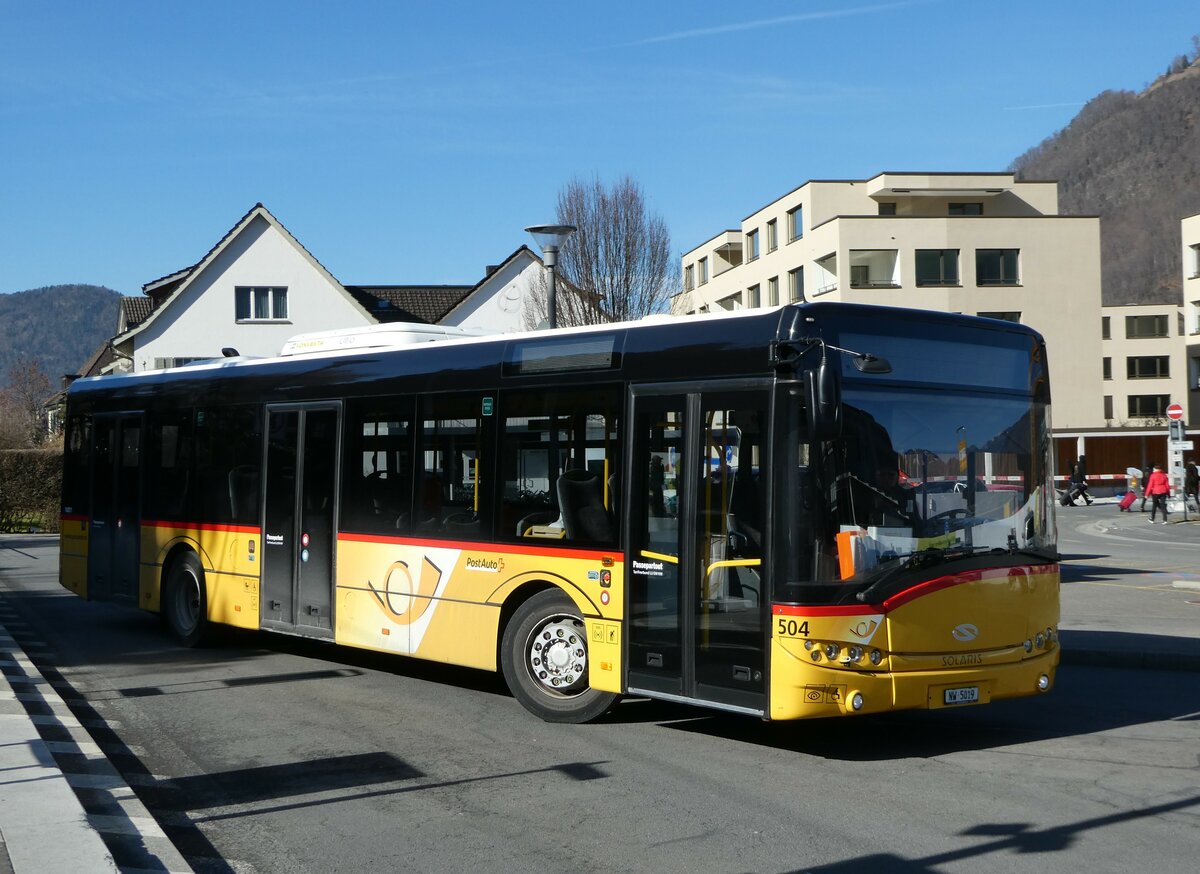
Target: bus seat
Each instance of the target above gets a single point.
(541, 517)
(581, 501)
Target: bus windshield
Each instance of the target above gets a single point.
(917, 478)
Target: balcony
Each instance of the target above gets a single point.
(874, 268)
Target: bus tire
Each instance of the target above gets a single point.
(545, 660)
(185, 600)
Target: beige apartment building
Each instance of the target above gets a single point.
(1191, 315)
(984, 244)
(977, 243)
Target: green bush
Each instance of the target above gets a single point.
(30, 487)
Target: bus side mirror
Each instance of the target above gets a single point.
(823, 394)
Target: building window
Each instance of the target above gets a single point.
(796, 285)
(1108, 373)
(703, 264)
(1106, 327)
(772, 236)
(937, 267)
(1148, 367)
(1195, 250)
(966, 209)
(996, 266)
(754, 296)
(1144, 327)
(1108, 407)
(752, 245)
(887, 208)
(1004, 316)
(260, 303)
(795, 223)
(168, 363)
(1148, 406)
(773, 291)
(689, 277)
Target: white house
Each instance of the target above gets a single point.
(258, 286)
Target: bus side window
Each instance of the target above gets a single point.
(559, 455)
(454, 468)
(228, 438)
(377, 486)
(169, 464)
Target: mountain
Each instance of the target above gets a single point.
(1134, 160)
(60, 326)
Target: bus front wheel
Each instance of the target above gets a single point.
(185, 602)
(544, 656)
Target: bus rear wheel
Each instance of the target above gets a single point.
(544, 657)
(185, 602)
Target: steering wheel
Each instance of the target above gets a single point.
(949, 515)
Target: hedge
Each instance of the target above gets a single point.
(30, 486)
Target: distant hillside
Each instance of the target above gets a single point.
(60, 326)
(1134, 160)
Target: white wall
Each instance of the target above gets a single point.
(500, 303)
(201, 320)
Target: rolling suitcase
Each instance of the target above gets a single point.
(1127, 501)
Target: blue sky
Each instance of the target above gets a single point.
(412, 142)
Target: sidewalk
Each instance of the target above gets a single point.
(44, 825)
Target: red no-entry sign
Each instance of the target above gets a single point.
(1175, 411)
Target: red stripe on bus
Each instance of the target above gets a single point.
(920, 590)
(72, 517)
(511, 548)
(203, 526)
(833, 610)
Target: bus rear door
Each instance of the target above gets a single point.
(114, 535)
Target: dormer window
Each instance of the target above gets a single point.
(260, 304)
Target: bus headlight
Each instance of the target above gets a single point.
(1040, 642)
(1028, 646)
(876, 657)
(832, 650)
(854, 654)
(856, 701)
(1043, 683)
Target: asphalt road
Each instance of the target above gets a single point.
(268, 754)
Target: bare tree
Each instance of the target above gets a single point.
(617, 265)
(21, 402)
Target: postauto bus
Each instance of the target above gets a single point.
(807, 511)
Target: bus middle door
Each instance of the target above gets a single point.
(299, 514)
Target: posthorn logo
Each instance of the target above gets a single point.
(965, 632)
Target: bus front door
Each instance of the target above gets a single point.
(114, 536)
(298, 519)
(697, 605)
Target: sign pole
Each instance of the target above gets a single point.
(1176, 444)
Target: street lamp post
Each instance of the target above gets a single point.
(550, 238)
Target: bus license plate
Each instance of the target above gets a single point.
(963, 695)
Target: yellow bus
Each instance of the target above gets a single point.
(813, 510)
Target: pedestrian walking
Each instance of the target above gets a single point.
(1147, 469)
(1079, 487)
(1158, 487)
(1191, 483)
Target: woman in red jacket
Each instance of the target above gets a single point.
(1158, 487)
